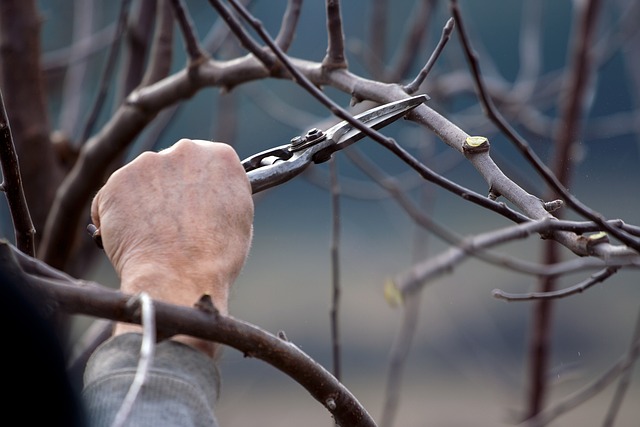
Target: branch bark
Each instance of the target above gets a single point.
(24, 95)
(13, 189)
(335, 57)
(568, 132)
(89, 298)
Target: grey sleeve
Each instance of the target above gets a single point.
(180, 390)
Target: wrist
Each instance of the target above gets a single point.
(162, 284)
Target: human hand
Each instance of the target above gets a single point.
(177, 224)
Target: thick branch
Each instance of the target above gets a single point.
(95, 300)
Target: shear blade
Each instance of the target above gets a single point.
(280, 164)
(344, 133)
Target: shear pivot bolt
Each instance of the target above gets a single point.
(312, 133)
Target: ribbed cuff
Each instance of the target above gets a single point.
(181, 387)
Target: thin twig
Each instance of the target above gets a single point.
(188, 31)
(79, 50)
(335, 58)
(161, 46)
(412, 87)
(587, 392)
(625, 378)
(244, 38)
(140, 30)
(12, 187)
(397, 360)
(594, 279)
(107, 72)
(376, 52)
(72, 93)
(218, 34)
(287, 32)
(400, 350)
(529, 49)
(406, 54)
(335, 269)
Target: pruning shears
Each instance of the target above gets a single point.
(280, 164)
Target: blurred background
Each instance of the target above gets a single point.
(468, 362)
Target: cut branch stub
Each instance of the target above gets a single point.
(475, 145)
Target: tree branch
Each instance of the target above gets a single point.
(376, 52)
(25, 99)
(335, 269)
(596, 278)
(335, 58)
(12, 187)
(626, 374)
(289, 24)
(188, 31)
(171, 320)
(139, 33)
(161, 45)
(144, 103)
(413, 42)
(590, 390)
(544, 171)
(72, 93)
(412, 87)
(243, 37)
(107, 72)
(421, 274)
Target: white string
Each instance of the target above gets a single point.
(147, 349)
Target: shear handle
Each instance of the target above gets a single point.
(266, 157)
(276, 170)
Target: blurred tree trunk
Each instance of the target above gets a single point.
(22, 85)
